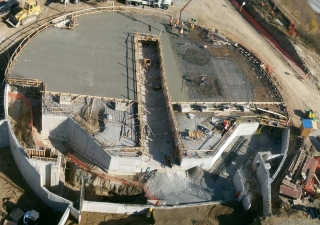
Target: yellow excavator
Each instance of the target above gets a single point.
(26, 15)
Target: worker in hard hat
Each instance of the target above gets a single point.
(203, 79)
(181, 32)
(149, 212)
(191, 26)
(177, 23)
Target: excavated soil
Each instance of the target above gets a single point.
(100, 189)
(20, 113)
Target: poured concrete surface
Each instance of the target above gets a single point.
(96, 58)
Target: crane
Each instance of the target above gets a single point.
(182, 10)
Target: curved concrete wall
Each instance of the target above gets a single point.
(31, 175)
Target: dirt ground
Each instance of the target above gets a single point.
(111, 219)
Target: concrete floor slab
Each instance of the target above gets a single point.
(96, 58)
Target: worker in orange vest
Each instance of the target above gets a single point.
(177, 23)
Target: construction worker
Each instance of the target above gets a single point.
(181, 32)
(177, 23)
(171, 21)
(191, 26)
(149, 212)
(203, 79)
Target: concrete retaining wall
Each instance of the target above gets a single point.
(86, 146)
(65, 216)
(238, 182)
(4, 139)
(188, 163)
(125, 164)
(285, 138)
(207, 162)
(54, 126)
(242, 129)
(31, 175)
(262, 170)
(284, 149)
(34, 177)
(106, 207)
(49, 171)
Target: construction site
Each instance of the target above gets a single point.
(132, 115)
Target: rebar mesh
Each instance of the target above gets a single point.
(225, 80)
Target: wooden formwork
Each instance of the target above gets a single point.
(45, 153)
(173, 122)
(141, 136)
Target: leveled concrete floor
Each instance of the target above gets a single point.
(96, 58)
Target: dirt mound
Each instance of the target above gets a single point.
(100, 189)
(231, 213)
(20, 113)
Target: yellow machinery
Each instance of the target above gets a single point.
(27, 15)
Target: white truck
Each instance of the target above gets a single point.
(164, 4)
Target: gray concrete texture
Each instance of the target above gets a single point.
(234, 158)
(199, 120)
(4, 139)
(96, 58)
(225, 80)
(262, 172)
(196, 185)
(96, 111)
(160, 140)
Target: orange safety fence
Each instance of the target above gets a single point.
(84, 166)
(273, 42)
(15, 96)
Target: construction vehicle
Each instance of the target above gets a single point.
(164, 4)
(4, 7)
(310, 114)
(30, 218)
(26, 15)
